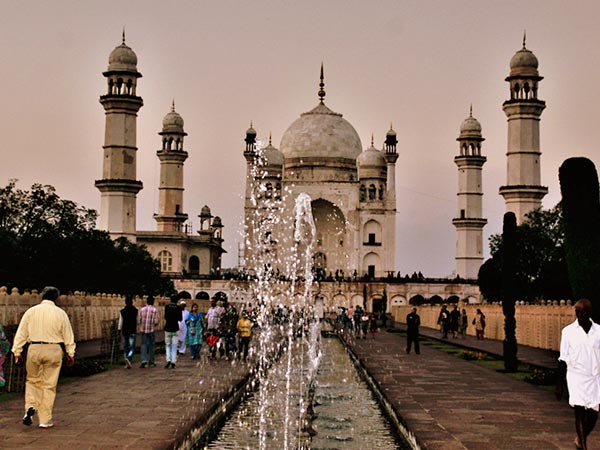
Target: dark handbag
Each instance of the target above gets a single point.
(473, 321)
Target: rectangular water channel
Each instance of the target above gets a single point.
(347, 415)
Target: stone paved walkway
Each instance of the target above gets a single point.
(447, 402)
(125, 408)
(450, 403)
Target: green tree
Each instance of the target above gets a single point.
(541, 271)
(581, 203)
(46, 240)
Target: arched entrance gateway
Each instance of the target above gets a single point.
(331, 236)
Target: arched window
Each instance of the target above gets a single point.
(381, 191)
(372, 192)
(166, 261)
(363, 193)
(269, 190)
(194, 265)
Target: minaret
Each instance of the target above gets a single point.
(391, 156)
(118, 185)
(469, 223)
(523, 191)
(170, 215)
(250, 154)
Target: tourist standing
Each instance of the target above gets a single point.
(45, 327)
(182, 327)
(127, 325)
(148, 319)
(479, 322)
(356, 318)
(413, 321)
(4, 349)
(195, 330)
(443, 321)
(212, 341)
(464, 323)
(228, 329)
(213, 316)
(454, 321)
(172, 318)
(364, 324)
(373, 325)
(580, 359)
(244, 327)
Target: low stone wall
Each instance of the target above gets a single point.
(537, 325)
(86, 312)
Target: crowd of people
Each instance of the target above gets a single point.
(358, 321)
(225, 331)
(456, 322)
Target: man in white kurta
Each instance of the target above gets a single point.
(580, 352)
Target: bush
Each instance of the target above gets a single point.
(471, 355)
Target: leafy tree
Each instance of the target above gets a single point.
(541, 271)
(46, 240)
(581, 202)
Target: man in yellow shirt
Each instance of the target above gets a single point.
(244, 327)
(45, 327)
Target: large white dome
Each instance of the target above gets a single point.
(321, 133)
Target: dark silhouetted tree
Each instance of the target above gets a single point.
(581, 206)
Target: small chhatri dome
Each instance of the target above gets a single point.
(371, 157)
(217, 223)
(251, 130)
(271, 156)
(205, 212)
(524, 63)
(391, 131)
(173, 122)
(470, 125)
(122, 58)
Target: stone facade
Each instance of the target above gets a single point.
(352, 192)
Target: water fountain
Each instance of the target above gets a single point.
(298, 404)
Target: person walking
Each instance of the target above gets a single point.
(464, 323)
(127, 325)
(228, 329)
(45, 327)
(195, 330)
(454, 321)
(479, 322)
(580, 360)
(413, 321)
(172, 318)
(244, 327)
(443, 321)
(148, 319)
(185, 314)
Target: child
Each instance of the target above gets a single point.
(212, 341)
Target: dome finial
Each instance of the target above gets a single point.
(173, 106)
(372, 140)
(321, 86)
(391, 126)
(269, 138)
(524, 37)
(471, 110)
(123, 34)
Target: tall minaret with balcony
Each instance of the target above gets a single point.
(469, 223)
(170, 215)
(118, 186)
(250, 154)
(391, 156)
(523, 191)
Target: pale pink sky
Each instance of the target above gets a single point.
(418, 64)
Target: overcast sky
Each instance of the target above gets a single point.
(417, 64)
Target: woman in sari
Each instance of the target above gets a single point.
(195, 329)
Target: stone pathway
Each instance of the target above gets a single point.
(126, 409)
(449, 403)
